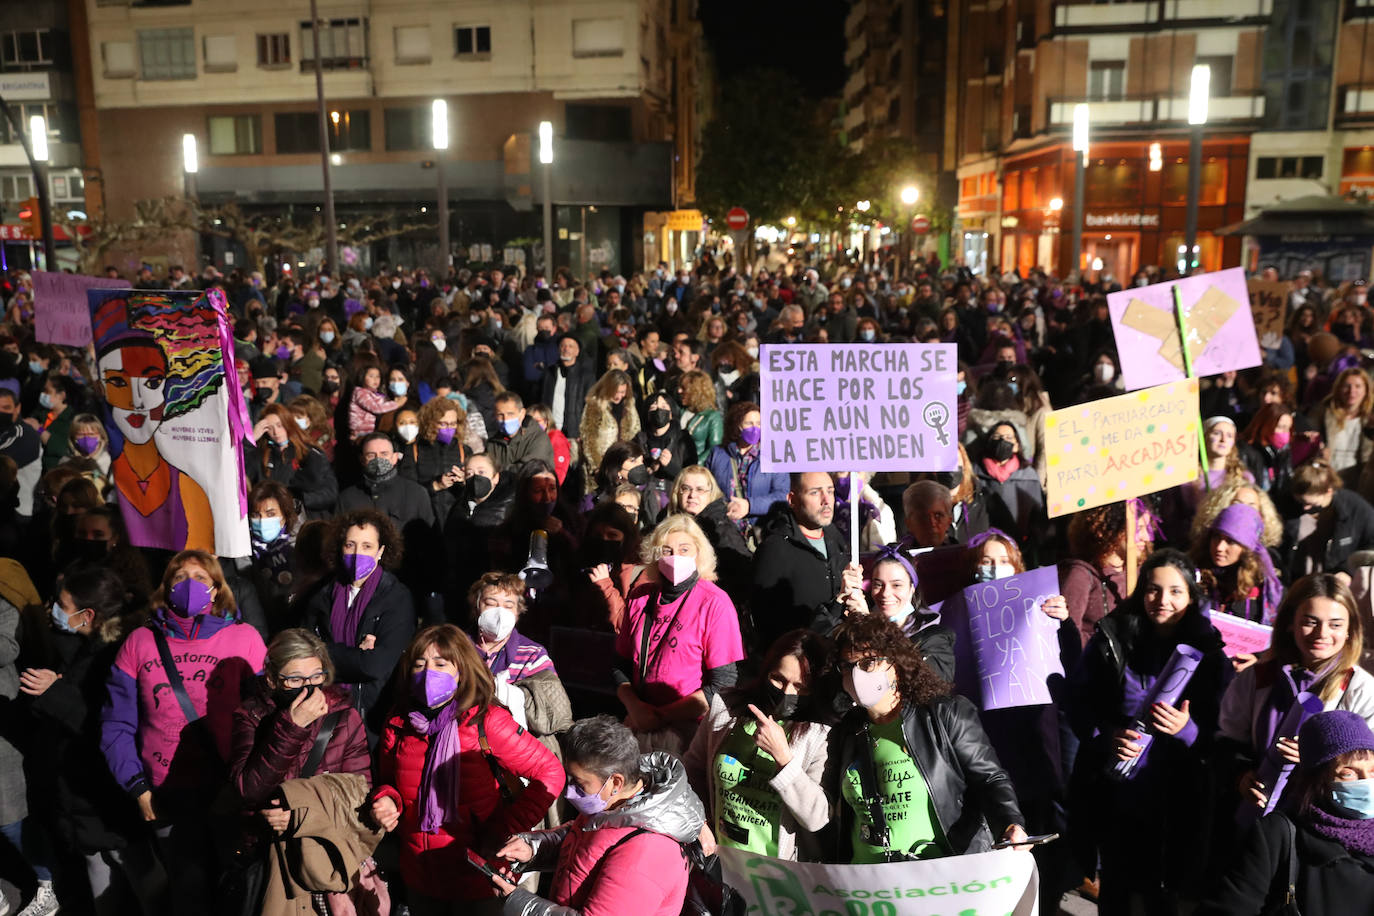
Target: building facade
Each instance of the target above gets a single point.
(239, 76)
(1291, 97)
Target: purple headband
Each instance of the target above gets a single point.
(982, 537)
(894, 553)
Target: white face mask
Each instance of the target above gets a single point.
(303, 422)
(440, 344)
(1104, 372)
(496, 623)
(408, 431)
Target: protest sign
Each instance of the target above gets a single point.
(1241, 636)
(1173, 680)
(859, 407)
(1221, 330)
(1269, 308)
(175, 416)
(60, 314)
(1273, 771)
(1117, 448)
(1015, 645)
(1003, 881)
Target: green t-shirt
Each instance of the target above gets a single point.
(907, 806)
(748, 809)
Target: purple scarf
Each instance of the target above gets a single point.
(344, 620)
(1356, 835)
(439, 779)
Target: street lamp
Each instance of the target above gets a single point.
(910, 194)
(190, 165)
(439, 136)
(1198, 89)
(546, 160)
(38, 135)
(862, 206)
(1080, 162)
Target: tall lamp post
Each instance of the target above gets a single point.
(546, 161)
(190, 165)
(1080, 164)
(1199, 87)
(910, 194)
(862, 206)
(331, 226)
(439, 126)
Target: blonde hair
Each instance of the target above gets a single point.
(698, 392)
(293, 645)
(1339, 410)
(1285, 646)
(680, 523)
(1223, 495)
(680, 486)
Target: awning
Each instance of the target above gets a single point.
(1314, 215)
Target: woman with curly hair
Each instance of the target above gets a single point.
(438, 447)
(1237, 490)
(608, 417)
(912, 766)
(1094, 579)
(701, 415)
(1234, 567)
(1342, 418)
(363, 612)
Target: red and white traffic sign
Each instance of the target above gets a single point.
(920, 225)
(737, 218)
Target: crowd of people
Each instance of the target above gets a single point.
(520, 588)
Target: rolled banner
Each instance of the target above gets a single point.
(1273, 771)
(1172, 681)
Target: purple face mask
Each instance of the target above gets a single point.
(750, 435)
(432, 688)
(358, 565)
(283, 352)
(87, 444)
(587, 804)
(444, 436)
(189, 598)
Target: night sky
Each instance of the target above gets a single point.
(804, 39)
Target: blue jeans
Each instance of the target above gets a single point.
(16, 834)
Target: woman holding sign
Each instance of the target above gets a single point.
(758, 757)
(1130, 694)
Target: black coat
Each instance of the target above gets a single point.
(578, 383)
(425, 462)
(1331, 879)
(973, 797)
(1352, 530)
(792, 581)
(405, 502)
(390, 617)
(310, 479)
(733, 559)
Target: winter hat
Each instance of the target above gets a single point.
(1328, 735)
(1243, 525)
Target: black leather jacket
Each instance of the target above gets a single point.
(973, 796)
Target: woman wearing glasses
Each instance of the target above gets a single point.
(917, 776)
(696, 492)
(680, 640)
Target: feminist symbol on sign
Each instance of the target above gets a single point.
(936, 416)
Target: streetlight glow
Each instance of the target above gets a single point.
(439, 123)
(546, 142)
(1156, 157)
(791, 221)
(1056, 203)
(190, 162)
(862, 206)
(1080, 129)
(334, 116)
(38, 138)
(910, 194)
(1198, 88)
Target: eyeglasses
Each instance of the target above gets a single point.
(685, 551)
(303, 680)
(868, 665)
(699, 491)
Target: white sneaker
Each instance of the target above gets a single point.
(44, 902)
(9, 898)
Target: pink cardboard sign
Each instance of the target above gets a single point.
(1221, 328)
(1241, 637)
(60, 313)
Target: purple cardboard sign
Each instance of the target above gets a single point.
(60, 314)
(1241, 636)
(1015, 646)
(1173, 680)
(1273, 771)
(1221, 328)
(859, 407)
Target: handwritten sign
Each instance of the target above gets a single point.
(1118, 448)
(1015, 646)
(1221, 331)
(1269, 308)
(1241, 636)
(862, 407)
(60, 313)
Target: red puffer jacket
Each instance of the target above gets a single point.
(267, 748)
(435, 864)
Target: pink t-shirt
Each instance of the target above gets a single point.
(705, 635)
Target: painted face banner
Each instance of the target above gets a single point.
(174, 418)
(1002, 881)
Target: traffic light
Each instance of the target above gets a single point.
(32, 216)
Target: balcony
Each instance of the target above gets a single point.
(1113, 16)
(855, 85)
(853, 118)
(1354, 105)
(856, 50)
(1237, 11)
(854, 21)
(1158, 109)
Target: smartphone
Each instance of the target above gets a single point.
(481, 864)
(1028, 841)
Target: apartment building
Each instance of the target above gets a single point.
(239, 75)
(1291, 101)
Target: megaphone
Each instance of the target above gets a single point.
(536, 573)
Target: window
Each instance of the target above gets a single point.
(299, 132)
(220, 54)
(118, 57)
(16, 187)
(597, 122)
(59, 186)
(597, 38)
(61, 121)
(1298, 48)
(274, 50)
(1174, 184)
(235, 135)
(472, 42)
(167, 54)
(1114, 182)
(412, 44)
(1310, 167)
(1219, 80)
(343, 45)
(1011, 191)
(408, 128)
(1107, 80)
(26, 50)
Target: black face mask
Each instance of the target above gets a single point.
(660, 417)
(780, 705)
(91, 549)
(262, 395)
(607, 551)
(1002, 449)
(285, 696)
(638, 475)
(6, 420)
(477, 488)
(329, 387)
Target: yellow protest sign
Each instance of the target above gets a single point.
(1117, 448)
(684, 221)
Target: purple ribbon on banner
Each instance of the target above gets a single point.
(1173, 680)
(1273, 771)
(239, 424)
